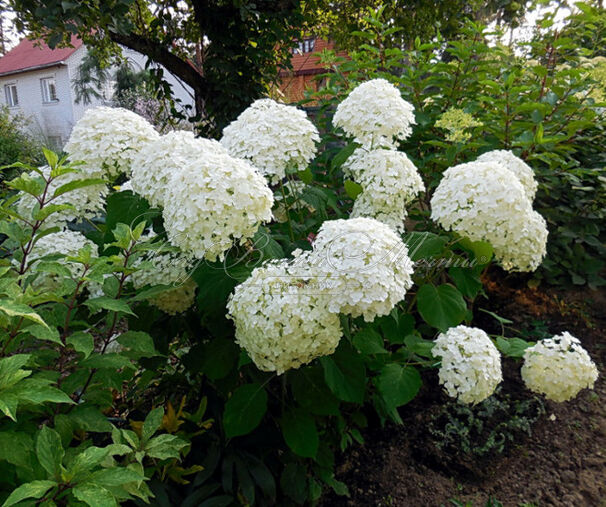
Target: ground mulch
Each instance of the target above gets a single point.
(563, 463)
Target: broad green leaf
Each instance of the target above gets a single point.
(369, 342)
(50, 209)
(244, 410)
(82, 342)
(352, 189)
(111, 477)
(424, 245)
(49, 451)
(76, 184)
(111, 304)
(217, 358)
(139, 342)
(165, 446)
(34, 489)
(13, 309)
(16, 448)
(300, 433)
(398, 384)
(38, 390)
(311, 392)
(88, 459)
(466, 280)
(94, 495)
(512, 347)
(294, 482)
(44, 333)
(441, 307)
(152, 423)
(345, 374)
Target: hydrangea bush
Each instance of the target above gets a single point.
(230, 316)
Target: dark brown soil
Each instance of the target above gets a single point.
(562, 463)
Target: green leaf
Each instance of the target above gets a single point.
(76, 184)
(82, 342)
(49, 209)
(111, 304)
(44, 333)
(34, 489)
(139, 342)
(466, 280)
(398, 385)
(13, 309)
(217, 357)
(424, 245)
(244, 410)
(369, 342)
(49, 451)
(294, 482)
(88, 459)
(16, 448)
(111, 477)
(345, 374)
(441, 307)
(152, 423)
(339, 159)
(300, 433)
(94, 495)
(482, 250)
(512, 347)
(352, 189)
(126, 208)
(311, 392)
(165, 447)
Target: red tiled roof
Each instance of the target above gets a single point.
(27, 55)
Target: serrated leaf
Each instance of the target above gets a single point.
(82, 342)
(369, 342)
(13, 309)
(94, 495)
(441, 307)
(76, 184)
(300, 433)
(152, 423)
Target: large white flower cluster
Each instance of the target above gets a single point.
(279, 321)
(483, 201)
(516, 165)
(389, 181)
(364, 265)
(154, 166)
(375, 115)
(273, 137)
(87, 202)
(471, 364)
(67, 243)
(558, 367)
(107, 138)
(212, 201)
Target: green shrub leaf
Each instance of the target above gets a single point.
(244, 410)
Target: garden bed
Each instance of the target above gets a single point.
(562, 463)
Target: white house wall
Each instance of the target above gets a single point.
(53, 120)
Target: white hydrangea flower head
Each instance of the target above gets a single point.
(517, 166)
(481, 201)
(212, 201)
(107, 138)
(558, 367)
(389, 182)
(153, 167)
(177, 300)
(280, 321)
(66, 242)
(471, 364)
(375, 114)
(274, 137)
(88, 202)
(365, 265)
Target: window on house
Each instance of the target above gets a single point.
(305, 46)
(10, 93)
(49, 90)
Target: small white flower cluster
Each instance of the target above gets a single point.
(389, 182)
(274, 137)
(154, 166)
(280, 323)
(375, 115)
(88, 201)
(485, 201)
(558, 367)
(107, 138)
(471, 364)
(66, 242)
(516, 165)
(287, 314)
(365, 264)
(212, 201)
